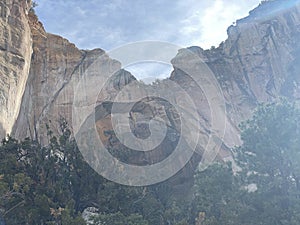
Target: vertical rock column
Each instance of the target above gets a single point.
(15, 57)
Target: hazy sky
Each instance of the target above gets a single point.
(108, 24)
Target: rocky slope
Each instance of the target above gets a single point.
(40, 71)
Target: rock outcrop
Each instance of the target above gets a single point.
(15, 59)
(40, 71)
(257, 63)
(56, 67)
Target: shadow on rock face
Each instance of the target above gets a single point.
(2, 135)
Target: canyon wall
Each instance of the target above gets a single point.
(15, 59)
(40, 71)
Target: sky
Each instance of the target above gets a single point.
(108, 24)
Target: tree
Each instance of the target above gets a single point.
(35, 181)
(270, 158)
(119, 219)
(217, 196)
(34, 4)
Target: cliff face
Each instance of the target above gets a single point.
(258, 62)
(260, 56)
(56, 67)
(40, 71)
(53, 62)
(15, 59)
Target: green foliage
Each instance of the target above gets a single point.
(271, 146)
(270, 158)
(271, 140)
(34, 4)
(68, 219)
(53, 184)
(34, 180)
(119, 219)
(217, 196)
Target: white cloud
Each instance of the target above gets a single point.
(215, 21)
(108, 24)
(206, 25)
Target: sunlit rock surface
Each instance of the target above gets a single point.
(40, 72)
(15, 59)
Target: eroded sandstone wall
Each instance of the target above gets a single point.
(15, 59)
(257, 63)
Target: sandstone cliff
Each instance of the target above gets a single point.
(40, 71)
(258, 62)
(15, 55)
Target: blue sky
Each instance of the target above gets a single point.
(108, 24)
